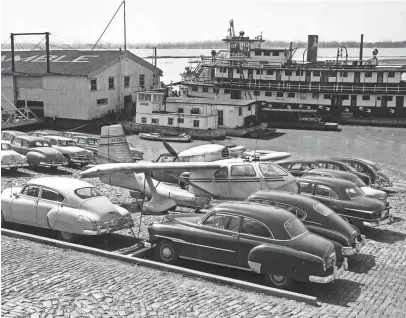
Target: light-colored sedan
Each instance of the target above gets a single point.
(69, 206)
(11, 159)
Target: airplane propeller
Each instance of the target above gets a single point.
(171, 150)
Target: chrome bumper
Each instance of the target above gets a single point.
(109, 228)
(51, 164)
(14, 165)
(327, 279)
(355, 250)
(80, 160)
(378, 223)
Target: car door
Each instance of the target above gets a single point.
(48, 200)
(217, 242)
(252, 234)
(221, 183)
(24, 206)
(306, 187)
(244, 180)
(16, 144)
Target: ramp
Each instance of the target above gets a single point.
(12, 117)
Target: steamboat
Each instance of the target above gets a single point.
(306, 92)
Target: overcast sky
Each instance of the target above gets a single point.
(191, 20)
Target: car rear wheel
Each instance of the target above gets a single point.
(67, 236)
(166, 252)
(279, 281)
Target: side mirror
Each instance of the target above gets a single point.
(15, 194)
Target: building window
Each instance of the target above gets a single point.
(291, 95)
(345, 97)
(181, 120)
(195, 111)
(180, 110)
(126, 81)
(155, 121)
(237, 71)
(93, 85)
(268, 93)
(269, 72)
(240, 111)
(389, 98)
(205, 89)
(226, 91)
(142, 80)
(258, 72)
(196, 124)
(326, 96)
(267, 53)
(368, 74)
(249, 108)
(258, 53)
(102, 101)
(279, 94)
(111, 82)
(170, 121)
(344, 74)
(299, 73)
(366, 97)
(257, 93)
(144, 120)
(195, 89)
(288, 73)
(332, 73)
(316, 73)
(275, 53)
(391, 74)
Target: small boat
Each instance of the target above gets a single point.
(163, 137)
(261, 133)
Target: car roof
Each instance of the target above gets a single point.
(32, 138)
(329, 161)
(292, 198)
(58, 137)
(87, 137)
(256, 211)
(60, 184)
(14, 132)
(297, 161)
(340, 173)
(329, 181)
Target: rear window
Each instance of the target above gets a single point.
(354, 193)
(271, 170)
(86, 193)
(322, 209)
(92, 141)
(5, 146)
(42, 144)
(295, 228)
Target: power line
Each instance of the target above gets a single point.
(87, 44)
(5, 41)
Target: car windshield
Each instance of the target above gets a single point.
(322, 209)
(92, 141)
(354, 193)
(42, 144)
(295, 228)
(130, 144)
(5, 146)
(86, 193)
(64, 143)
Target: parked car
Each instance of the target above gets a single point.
(69, 206)
(71, 134)
(38, 151)
(11, 159)
(87, 142)
(73, 154)
(338, 165)
(266, 240)
(43, 133)
(9, 135)
(346, 199)
(370, 192)
(317, 217)
(370, 168)
(297, 167)
(137, 154)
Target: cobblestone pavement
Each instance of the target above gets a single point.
(44, 281)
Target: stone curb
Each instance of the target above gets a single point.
(161, 266)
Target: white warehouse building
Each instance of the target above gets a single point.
(80, 85)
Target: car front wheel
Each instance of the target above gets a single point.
(32, 165)
(67, 236)
(166, 252)
(278, 281)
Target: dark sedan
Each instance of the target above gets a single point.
(247, 236)
(378, 177)
(338, 165)
(317, 217)
(346, 199)
(297, 167)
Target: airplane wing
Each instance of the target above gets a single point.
(138, 167)
(269, 155)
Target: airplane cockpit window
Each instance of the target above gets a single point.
(271, 170)
(221, 173)
(243, 171)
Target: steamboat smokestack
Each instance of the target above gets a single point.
(361, 46)
(312, 45)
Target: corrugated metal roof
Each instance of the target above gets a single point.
(66, 62)
(211, 101)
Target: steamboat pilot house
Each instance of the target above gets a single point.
(248, 71)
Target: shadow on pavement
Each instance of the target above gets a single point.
(383, 235)
(361, 263)
(5, 173)
(52, 172)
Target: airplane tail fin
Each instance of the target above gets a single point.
(113, 146)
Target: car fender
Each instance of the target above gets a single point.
(35, 157)
(6, 203)
(329, 234)
(121, 210)
(280, 260)
(66, 219)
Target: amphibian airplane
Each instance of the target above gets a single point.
(219, 178)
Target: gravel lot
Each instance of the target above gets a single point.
(374, 286)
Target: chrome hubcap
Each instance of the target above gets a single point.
(67, 236)
(166, 251)
(277, 279)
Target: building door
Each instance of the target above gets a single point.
(357, 77)
(399, 101)
(230, 72)
(324, 76)
(380, 77)
(250, 74)
(220, 118)
(384, 101)
(213, 72)
(308, 76)
(353, 100)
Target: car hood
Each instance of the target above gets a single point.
(72, 150)
(374, 193)
(337, 224)
(183, 219)
(48, 151)
(367, 204)
(314, 244)
(100, 209)
(9, 154)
